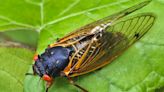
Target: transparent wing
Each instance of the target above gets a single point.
(112, 18)
(115, 40)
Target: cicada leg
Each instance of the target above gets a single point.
(76, 85)
(48, 85)
(72, 82)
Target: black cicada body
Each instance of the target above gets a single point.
(57, 58)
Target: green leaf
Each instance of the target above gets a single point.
(14, 63)
(20, 14)
(17, 20)
(139, 69)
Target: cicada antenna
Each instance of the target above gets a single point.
(30, 74)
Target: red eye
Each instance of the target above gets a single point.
(35, 57)
(47, 78)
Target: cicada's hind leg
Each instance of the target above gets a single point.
(65, 73)
(78, 86)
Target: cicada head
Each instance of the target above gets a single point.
(38, 69)
(49, 64)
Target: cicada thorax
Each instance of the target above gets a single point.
(84, 45)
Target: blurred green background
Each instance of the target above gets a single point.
(28, 26)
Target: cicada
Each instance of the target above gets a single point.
(93, 46)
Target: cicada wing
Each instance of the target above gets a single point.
(115, 40)
(112, 18)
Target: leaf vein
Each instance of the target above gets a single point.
(16, 23)
(79, 13)
(12, 76)
(69, 7)
(33, 3)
